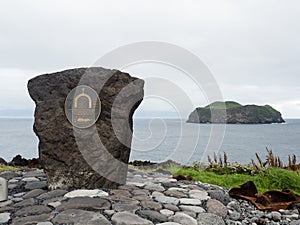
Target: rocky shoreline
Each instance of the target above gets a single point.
(147, 198)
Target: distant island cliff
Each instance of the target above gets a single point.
(235, 113)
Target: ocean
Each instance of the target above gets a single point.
(162, 139)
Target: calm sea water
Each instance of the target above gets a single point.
(159, 140)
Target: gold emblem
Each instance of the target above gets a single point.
(82, 106)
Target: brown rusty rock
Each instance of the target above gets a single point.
(183, 177)
(272, 200)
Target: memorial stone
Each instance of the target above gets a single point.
(83, 119)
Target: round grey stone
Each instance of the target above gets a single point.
(233, 215)
(19, 195)
(34, 173)
(168, 223)
(126, 218)
(216, 207)
(151, 205)
(220, 196)
(34, 193)
(183, 219)
(209, 219)
(9, 175)
(171, 207)
(86, 193)
(165, 199)
(295, 222)
(30, 179)
(167, 212)
(17, 199)
(36, 185)
(29, 220)
(4, 217)
(33, 210)
(233, 205)
(24, 203)
(80, 217)
(119, 207)
(52, 194)
(152, 215)
(190, 201)
(190, 213)
(176, 194)
(195, 209)
(276, 216)
(198, 194)
(85, 203)
(154, 187)
(6, 203)
(231, 222)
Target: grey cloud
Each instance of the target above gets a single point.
(246, 44)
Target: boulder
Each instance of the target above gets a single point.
(83, 119)
(18, 160)
(3, 162)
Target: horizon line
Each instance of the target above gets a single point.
(139, 117)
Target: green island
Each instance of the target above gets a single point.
(234, 113)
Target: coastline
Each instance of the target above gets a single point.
(17, 137)
(147, 198)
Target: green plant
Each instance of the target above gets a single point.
(270, 179)
(8, 168)
(220, 165)
(275, 161)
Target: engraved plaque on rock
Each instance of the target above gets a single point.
(82, 106)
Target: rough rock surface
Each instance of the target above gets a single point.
(92, 157)
(131, 204)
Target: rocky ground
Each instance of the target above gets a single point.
(147, 198)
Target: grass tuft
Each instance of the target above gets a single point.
(7, 168)
(270, 179)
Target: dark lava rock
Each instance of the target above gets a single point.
(9, 175)
(33, 210)
(18, 160)
(91, 157)
(142, 163)
(220, 196)
(209, 219)
(29, 220)
(149, 204)
(85, 203)
(24, 203)
(52, 194)
(120, 207)
(6, 209)
(152, 215)
(33, 193)
(77, 216)
(2, 161)
(36, 185)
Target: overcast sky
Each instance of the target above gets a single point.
(252, 48)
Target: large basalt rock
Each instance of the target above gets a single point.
(91, 157)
